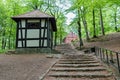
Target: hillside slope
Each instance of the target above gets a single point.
(109, 41)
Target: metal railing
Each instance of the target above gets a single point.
(108, 56)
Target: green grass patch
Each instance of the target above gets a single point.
(2, 51)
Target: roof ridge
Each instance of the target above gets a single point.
(34, 13)
(44, 12)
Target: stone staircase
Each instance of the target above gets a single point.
(74, 66)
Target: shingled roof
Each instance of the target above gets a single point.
(36, 14)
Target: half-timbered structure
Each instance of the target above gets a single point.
(35, 30)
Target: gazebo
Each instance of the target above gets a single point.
(35, 31)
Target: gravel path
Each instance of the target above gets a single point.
(24, 66)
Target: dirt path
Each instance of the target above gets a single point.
(24, 66)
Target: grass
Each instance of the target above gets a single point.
(2, 51)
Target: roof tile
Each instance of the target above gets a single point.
(34, 14)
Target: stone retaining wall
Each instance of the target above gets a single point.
(34, 50)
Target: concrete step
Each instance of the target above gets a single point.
(77, 62)
(77, 65)
(77, 78)
(82, 74)
(78, 56)
(79, 69)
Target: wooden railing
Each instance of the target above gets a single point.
(108, 56)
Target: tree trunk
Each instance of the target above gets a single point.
(9, 39)
(86, 29)
(84, 22)
(79, 29)
(3, 40)
(115, 19)
(101, 22)
(94, 28)
(60, 35)
(79, 33)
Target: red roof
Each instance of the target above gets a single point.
(70, 37)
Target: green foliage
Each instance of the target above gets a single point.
(57, 8)
(2, 51)
(9, 8)
(108, 10)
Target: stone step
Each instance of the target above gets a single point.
(78, 62)
(90, 75)
(77, 65)
(79, 69)
(77, 78)
(77, 58)
(79, 55)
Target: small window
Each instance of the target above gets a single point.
(33, 25)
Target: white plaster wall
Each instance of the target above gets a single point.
(20, 43)
(32, 43)
(45, 42)
(43, 23)
(42, 32)
(32, 33)
(19, 36)
(23, 32)
(46, 33)
(23, 23)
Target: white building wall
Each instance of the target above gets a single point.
(32, 33)
(23, 23)
(45, 42)
(23, 34)
(32, 43)
(19, 43)
(42, 32)
(43, 23)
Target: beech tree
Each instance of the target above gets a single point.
(93, 17)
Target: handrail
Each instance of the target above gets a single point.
(108, 56)
(108, 49)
